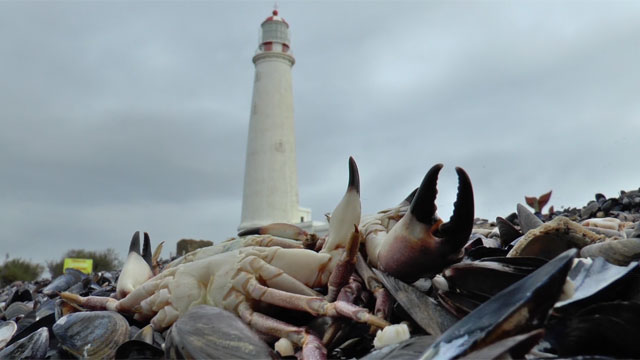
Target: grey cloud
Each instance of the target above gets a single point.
(124, 116)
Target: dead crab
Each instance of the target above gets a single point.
(262, 266)
(237, 280)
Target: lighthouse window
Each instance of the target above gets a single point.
(275, 31)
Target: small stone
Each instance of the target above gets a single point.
(284, 347)
(609, 205)
(589, 210)
(188, 245)
(390, 335)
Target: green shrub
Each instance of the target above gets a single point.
(106, 260)
(19, 269)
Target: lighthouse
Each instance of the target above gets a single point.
(270, 192)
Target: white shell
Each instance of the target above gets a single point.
(284, 347)
(390, 335)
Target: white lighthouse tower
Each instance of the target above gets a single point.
(270, 178)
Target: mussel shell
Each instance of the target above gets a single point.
(485, 278)
(356, 346)
(46, 322)
(63, 282)
(519, 308)
(33, 346)
(427, 313)
(17, 309)
(458, 304)
(593, 279)
(46, 308)
(526, 263)
(104, 278)
(92, 334)
(7, 330)
(77, 288)
(64, 307)
(28, 319)
(104, 291)
(207, 332)
(528, 220)
(22, 295)
(479, 240)
(508, 232)
(136, 349)
(550, 239)
(609, 329)
(481, 252)
(406, 350)
(515, 347)
(145, 334)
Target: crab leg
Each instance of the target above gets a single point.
(151, 306)
(312, 347)
(91, 302)
(342, 272)
(166, 315)
(275, 278)
(349, 293)
(130, 304)
(269, 241)
(314, 305)
(352, 290)
(373, 284)
(144, 291)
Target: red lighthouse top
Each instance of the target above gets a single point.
(274, 17)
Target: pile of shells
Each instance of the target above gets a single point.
(528, 285)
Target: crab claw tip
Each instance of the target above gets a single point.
(463, 208)
(134, 245)
(423, 206)
(460, 225)
(146, 249)
(250, 231)
(354, 177)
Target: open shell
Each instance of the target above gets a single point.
(551, 239)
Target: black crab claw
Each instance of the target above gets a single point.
(454, 233)
(137, 268)
(354, 176)
(146, 249)
(134, 245)
(457, 230)
(257, 230)
(423, 207)
(420, 243)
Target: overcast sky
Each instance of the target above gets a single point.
(125, 116)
